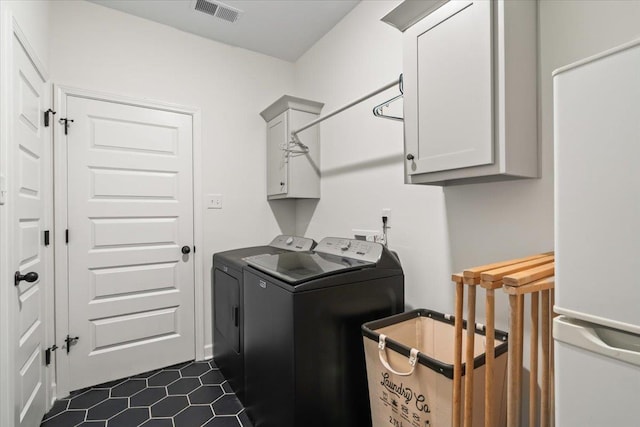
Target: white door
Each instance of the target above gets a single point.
(129, 214)
(30, 180)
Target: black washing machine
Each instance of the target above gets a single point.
(227, 304)
(304, 356)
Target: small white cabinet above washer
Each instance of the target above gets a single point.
(293, 170)
(470, 90)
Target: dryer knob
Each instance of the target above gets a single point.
(289, 241)
(346, 245)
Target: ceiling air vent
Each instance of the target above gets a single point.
(218, 9)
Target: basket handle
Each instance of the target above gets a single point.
(413, 357)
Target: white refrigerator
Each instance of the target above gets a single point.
(597, 240)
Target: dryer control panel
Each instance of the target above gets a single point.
(351, 248)
(293, 243)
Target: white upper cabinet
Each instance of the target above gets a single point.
(293, 170)
(470, 90)
(277, 164)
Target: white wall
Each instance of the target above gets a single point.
(93, 47)
(435, 231)
(362, 156)
(516, 218)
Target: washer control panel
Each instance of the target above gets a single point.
(293, 243)
(350, 248)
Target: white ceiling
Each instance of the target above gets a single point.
(281, 28)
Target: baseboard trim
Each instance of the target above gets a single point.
(208, 351)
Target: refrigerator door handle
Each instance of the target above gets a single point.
(609, 342)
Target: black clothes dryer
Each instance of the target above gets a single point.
(304, 356)
(227, 290)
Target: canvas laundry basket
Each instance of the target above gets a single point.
(409, 360)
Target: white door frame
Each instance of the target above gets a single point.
(6, 334)
(60, 202)
(9, 28)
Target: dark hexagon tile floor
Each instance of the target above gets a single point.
(191, 394)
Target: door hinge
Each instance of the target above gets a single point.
(66, 235)
(46, 117)
(47, 354)
(70, 341)
(66, 123)
(46, 237)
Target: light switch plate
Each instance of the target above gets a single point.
(214, 201)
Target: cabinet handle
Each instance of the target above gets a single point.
(410, 156)
(282, 183)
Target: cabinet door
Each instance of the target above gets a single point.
(226, 298)
(277, 165)
(448, 88)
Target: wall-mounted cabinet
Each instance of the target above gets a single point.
(293, 170)
(470, 90)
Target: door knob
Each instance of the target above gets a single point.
(186, 249)
(29, 277)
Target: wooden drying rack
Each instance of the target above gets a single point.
(532, 275)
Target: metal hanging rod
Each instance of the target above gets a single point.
(294, 133)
